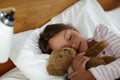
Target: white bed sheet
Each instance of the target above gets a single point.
(115, 14)
(16, 74)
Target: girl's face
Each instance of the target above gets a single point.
(68, 38)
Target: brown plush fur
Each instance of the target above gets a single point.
(60, 60)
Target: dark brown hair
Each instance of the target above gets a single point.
(49, 32)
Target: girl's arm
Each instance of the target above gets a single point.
(112, 70)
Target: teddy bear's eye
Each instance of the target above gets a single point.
(61, 56)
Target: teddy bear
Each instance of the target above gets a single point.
(60, 60)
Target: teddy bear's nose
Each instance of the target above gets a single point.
(61, 56)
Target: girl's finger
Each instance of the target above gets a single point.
(76, 58)
(76, 62)
(84, 61)
(71, 75)
(79, 54)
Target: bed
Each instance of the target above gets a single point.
(24, 75)
(25, 13)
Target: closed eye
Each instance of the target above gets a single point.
(68, 35)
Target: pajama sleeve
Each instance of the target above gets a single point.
(110, 71)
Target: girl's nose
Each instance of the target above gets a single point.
(72, 45)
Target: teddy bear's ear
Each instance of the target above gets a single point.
(72, 52)
(92, 43)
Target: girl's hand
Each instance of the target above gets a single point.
(81, 75)
(79, 61)
(79, 71)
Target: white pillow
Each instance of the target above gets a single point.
(84, 15)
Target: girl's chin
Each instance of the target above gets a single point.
(79, 51)
(84, 50)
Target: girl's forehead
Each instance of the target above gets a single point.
(57, 41)
(63, 33)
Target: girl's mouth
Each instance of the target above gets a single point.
(79, 47)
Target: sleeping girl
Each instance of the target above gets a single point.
(57, 36)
